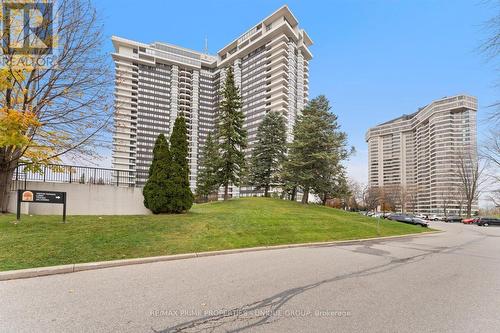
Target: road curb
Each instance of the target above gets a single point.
(71, 268)
(126, 262)
(35, 272)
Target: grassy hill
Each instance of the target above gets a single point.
(44, 241)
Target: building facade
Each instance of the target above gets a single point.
(156, 82)
(417, 156)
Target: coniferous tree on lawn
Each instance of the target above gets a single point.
(333, 184)
(318, 149)
(182, 197)
(207, 182)
(232, 138)
(157, 190)
(269, 152)
(290, 184)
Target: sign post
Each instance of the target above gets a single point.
(41, 197)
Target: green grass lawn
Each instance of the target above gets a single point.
(44, 241)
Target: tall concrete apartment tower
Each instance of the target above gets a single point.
(155, 82)
(419, 153)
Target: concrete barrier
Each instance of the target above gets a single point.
(85, 199)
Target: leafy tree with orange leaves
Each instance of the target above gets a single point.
(55, 97)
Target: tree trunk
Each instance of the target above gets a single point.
(324, 199)
(305, 196)
(294, 194)
(469, 209)
(266, 191)
(226, 192)
(6, 172)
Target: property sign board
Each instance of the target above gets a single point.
(41, 197)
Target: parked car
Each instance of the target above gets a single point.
(434, 217)
(453, 218)
(410, 219)
(472, 220)
(386, 215)
(420, 222)
(486, 221)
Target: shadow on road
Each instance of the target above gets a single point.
(265, 311)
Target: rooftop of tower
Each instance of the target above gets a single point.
(456, 101)
(272, 24)
(411, 115)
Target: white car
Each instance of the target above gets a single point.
(435, 217)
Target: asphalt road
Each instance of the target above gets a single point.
(446, 282)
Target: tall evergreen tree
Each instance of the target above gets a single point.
(290, 184)
(207, 182)
(317, 150)
(182, 197)
(333, 184)
(269, 152)
(157, 190)
(232, 137)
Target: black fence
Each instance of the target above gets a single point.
(56, 173)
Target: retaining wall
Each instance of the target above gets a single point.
(85, 199)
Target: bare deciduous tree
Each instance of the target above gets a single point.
(404, 197)
(491, 149)
(491, 153)
(66, 99)
(355, 200)
(371, 197)
(390, 197)
(446, 196)
(491, 45)
(460, 198)
(411, 197)
(469, 171)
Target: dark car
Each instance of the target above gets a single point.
(410, 219)
(453, 219)
(486, 221)
(398, 217)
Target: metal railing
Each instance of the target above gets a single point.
(57, 173)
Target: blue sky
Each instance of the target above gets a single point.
(374, 60)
